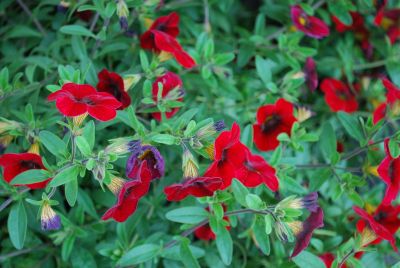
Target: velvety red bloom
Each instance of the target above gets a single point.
(256, 171)
(198, 187)
(380, 7)
(338, 96)
(161, 37)
(310, 25)
(148, 153)
(130, 195)
(386, 216)
(14, 164)
(171, 90)
(114, 84)
(272, 120)
(392, 97)
(74, 99)
(311, 74)
(374, 222)
(205, 233)
(314, 221)
(389, 171)
(229, 156)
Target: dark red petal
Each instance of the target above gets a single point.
(102, 113)
(70, 107)
(184, 59)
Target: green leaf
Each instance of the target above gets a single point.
(89, 133)
(71, 191)
(351, 125)
(164, 139)
(67, 247)
(65, 176)
(83, 146)
(139, 254)
(327, 141)
(54, 144)
(224, 58)
(17, 224)
(394, 148)
(339, 9)
(264, 69)
(187, 256)
(224, 243)
(30, 176)
(76, 30)
(189, 215)
(260, 235)
(86, 202)
(254, 201)
(308, 260)
(240, 192)
(143, 60)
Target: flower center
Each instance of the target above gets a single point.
(303, 20)
(30, 165)
(87, 101)
(271, 122)
(380, 216)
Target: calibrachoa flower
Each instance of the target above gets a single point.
(339, 96)
(272, 120)
(374, 223)
(49, 219)
(385, 215)
(392, 102)
(114, 84)
(77, 99)
(389, 171)
(205, 233)
(311, 74)
(145, 153)
(129, 195)
(14, 164)
(310, 25)
(256, 171)
(171, 90)
(198, 187)
(229, 156)
(161, 37)
(303, 230)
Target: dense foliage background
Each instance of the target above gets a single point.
(248, 54)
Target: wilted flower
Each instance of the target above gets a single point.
(303, 114)
(34, 149)
(122, 13)
(311, 74)
(210, 129)
(116, 185)
(49, 219)
(151, 155)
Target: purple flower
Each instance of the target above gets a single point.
(219, 125)
(49, 219)
(311, 75)
(147, 153)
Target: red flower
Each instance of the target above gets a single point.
(386, 216)
(392, 97)
(14, 164)
(338, 95)
(171, 90)
(205, 233)
(256, 171)
(303, 237)
(161, 37)
(379, 113)
(374, 222)
(380, 6)
(114, 84)
(229, 156)
(328, 259)
(272, 120)
(75, 99)
(130, 195)
(198, 187)
(389, 171)
(309, 25)
(311, 74)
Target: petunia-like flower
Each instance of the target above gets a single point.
(373, 223)
(256, 171)
(311, 74)
(14, 164)
(229, 156)
(272, 120)
(198, 187)
(145, 153)
(171, 90)
(77, 99)
(161, 37)
(339, 96)
(49, 219)
(205, 233)
(385, 215)
(113, 83)
(303, 230)
(310, 25)
(129, 195)
(389, 171)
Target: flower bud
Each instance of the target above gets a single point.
(189, 165)
(309, 202)
(121, 146)
(49, 219)
(4, 142)
(372, 170)
(303, 114)
(78, 120)
(210, 129)
(9, 125)
(210, 151)
(116, 185)
(123, 12)
(164, 56)
(34, 149)
(131, 80)
(367, 236)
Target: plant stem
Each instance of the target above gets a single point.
(29, 13)
(10, 199)
(173, 242)
(21, 252)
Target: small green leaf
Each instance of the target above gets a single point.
(30, 176)
(76, 30)
(189, 215)
(327, 141)
(260, 235)
(186, 254)
(17, 224)
(139, 254)
(308, 260)
(240, 192)
(164, 139)
(254, 201)
(54, 144)
(71, 191)
(83, 146)
(394, 148)
(65, 176)
(351, 125)
(224, 243)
